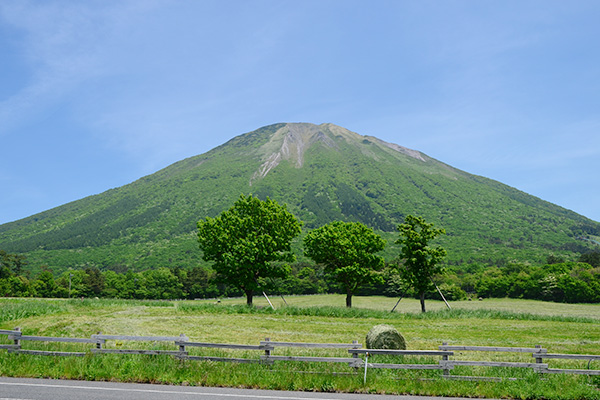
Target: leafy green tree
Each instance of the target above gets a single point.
(552, 259)
(248, 242)
(44, 285)
(114, 285)
(93, 282)
(347, 250)
(421, 261)
(132, 286)
(161, 284)
(77, 279)
(15, 286)
(5, 272)
(304, 279)
(199, 283)
(592, 258)
(14, 262)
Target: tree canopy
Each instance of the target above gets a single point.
(421, 261)
(248, 242)
(347, 250)
(13, 262)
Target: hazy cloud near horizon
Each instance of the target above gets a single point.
(96, 94)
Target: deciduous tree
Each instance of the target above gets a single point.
(14, 262)
(421, 261)
(249, 241)
(347, 250)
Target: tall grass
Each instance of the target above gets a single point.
(16, 309)
(343, 312)
(13, 310)
(291, 376)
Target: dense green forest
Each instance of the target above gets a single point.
(556, 280)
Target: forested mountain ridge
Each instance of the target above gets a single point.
(323, 173)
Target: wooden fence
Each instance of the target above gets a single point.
(101, 339)
(446, 358)
(270, 346)
(536, 352)
(402, 354)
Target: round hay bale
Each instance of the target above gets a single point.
(385, 337)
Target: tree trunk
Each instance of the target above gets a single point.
(249, 295)
(348, 299)
(422, 296)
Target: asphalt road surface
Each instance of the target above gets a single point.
(47, 389)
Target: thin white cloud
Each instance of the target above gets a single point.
(62, 45)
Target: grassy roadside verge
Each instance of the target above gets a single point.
(575, 332)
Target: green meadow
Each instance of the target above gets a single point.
(560, 328)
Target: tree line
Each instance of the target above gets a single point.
(556, 281)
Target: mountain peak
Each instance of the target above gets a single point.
(291, 140)
(289, 143)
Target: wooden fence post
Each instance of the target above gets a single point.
(538, 360)
(446, 371)
(181, 345)
(17, 338)
(99, 342)
(267, 350)
(355, 355)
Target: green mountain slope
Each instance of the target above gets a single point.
(323, 173)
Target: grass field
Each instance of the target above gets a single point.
(413, 306)
(561, 328)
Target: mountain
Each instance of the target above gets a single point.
(323, 173)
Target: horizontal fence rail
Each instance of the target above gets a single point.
(494, 349)
(443, 359)
(268, 343)
(537, 366)
(226, 346)
(505, 364)
(19, 350)
(402, 353)
(270, 346)
(57, 339)
(181, 337)
(9, 332)
(581, 357)
(17, 336)
(121, 338)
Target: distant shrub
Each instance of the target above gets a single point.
(453, 292)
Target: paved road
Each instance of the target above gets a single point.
(45, 389)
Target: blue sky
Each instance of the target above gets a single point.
(96, 94)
